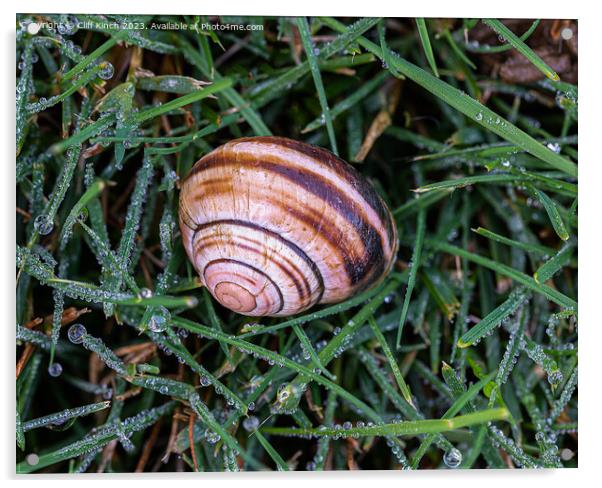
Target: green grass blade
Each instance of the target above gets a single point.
(309, 348)
(280, 463)
(455, 408)
(503, 47)
(508, 271)
(415, 264)
(403, 386)
(554, 264)
(553, 213)
(494, 318)
(154, 112)
(426, 44)
(525, 246)
(315, 71)
(468, 106)
(522, 48)
(344, 105)
(410, 428)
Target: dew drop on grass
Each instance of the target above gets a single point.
(250, 424)
(212, 437)
(43, 224)
(205, 381)
(145, 293)
(159, 319)
(479, 116)
(107, 72)
(452, 458)
(32, 459)
(55, 370)
(76, 333)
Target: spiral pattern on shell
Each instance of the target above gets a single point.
(274, 226)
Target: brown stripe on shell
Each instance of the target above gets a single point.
(346, 254)
(342, 169)
(303, 289)
(291, 245)
(370, 263)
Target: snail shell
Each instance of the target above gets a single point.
(274, 226)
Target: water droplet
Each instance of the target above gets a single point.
(554, 147)
(251, 406)
(43, 224)
(55, 370)
(452, 458)
(566, 33)
(205, 381)
(32, 459)
(212, 437)
(107, 72)
(250, 424)
(479, 116)
(76, 333)
(145, 293)
(158, 321)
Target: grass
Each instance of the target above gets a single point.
(465, 355)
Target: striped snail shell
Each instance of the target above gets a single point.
(274, 226)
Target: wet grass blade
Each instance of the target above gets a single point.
(468, 106)
(553, 213)
(303, 27)
(522, 48)
(403, 386)
(410, 428)
(344, 105)
(506, 270)
(151, 113)
(494, 318)
(554, 264)
(525, 246)
(415, 265)
(309, 348)
(455, 408)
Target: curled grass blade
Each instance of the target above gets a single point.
(522, 48)
(503, 47)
